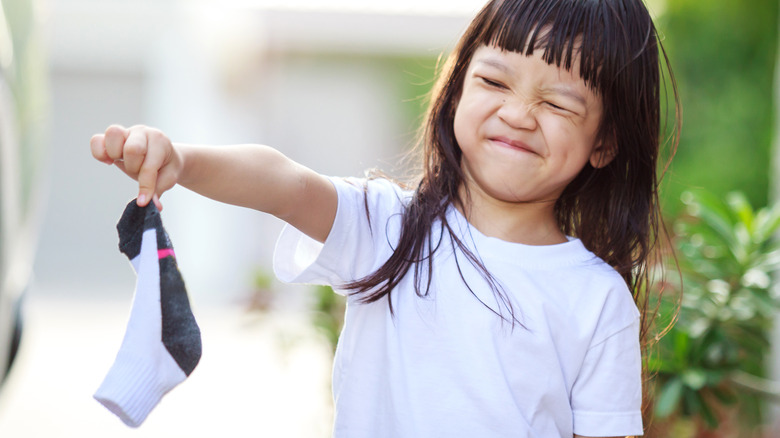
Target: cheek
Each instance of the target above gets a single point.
(566, 133)
(470, 114)
(460, 126)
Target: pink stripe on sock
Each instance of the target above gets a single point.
(163, 253)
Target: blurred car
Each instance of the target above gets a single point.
(23, 111)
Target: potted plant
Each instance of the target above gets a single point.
(711, 370)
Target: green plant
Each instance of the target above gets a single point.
(328, 316)
(711, 364)
(326, 307)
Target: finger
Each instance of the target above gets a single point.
(147, 184)
(147, 176)
(97, 145)
(135, 150)
(115, 137)
(157, 203)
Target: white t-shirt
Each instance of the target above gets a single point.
(447, 366)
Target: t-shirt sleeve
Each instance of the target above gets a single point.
(607, 395)
(362, 237)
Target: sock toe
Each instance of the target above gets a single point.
(131, 230)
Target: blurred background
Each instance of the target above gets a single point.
(339, 86)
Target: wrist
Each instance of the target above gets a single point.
(181, 160)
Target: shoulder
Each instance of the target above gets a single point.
(363, 234)
(378, 199)
(599, 296)
(617, 309)
(372, 188)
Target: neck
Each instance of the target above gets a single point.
(531, 223)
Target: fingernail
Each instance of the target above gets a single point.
(141, 200)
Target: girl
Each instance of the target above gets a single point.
(498, 298)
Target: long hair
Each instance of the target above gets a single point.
(614, 209)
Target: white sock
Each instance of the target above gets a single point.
(162, 342)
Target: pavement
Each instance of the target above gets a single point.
(259, 376)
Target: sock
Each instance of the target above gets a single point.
(162, 342)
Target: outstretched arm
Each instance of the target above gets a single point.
(253, 176)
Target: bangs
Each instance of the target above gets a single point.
(563, 29)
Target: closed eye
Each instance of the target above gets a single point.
(554, 106)
(492, 83)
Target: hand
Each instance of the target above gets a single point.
(145, 154)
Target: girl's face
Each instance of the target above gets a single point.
(526, 128)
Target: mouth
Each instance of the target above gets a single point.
(513, 144)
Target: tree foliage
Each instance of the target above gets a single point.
(723, 54)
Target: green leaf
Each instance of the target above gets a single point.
(714, 213)
(661, 363)
(766, 223)
(769, 260)
(706, 412)
(694, 379)
(691, 403)
(681, 346)
(743, 241)
(669, 398)
(739, 204)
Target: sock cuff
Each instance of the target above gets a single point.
(130, 389)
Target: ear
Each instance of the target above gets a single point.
(603, 154)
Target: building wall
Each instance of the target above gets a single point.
(311, 83)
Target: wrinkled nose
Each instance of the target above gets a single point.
(517, 114)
